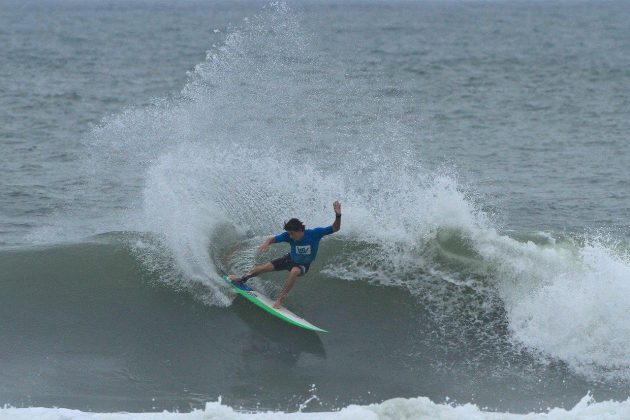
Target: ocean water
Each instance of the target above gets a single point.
(480, 152)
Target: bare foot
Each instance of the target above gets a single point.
(278, 303)
(234, 277)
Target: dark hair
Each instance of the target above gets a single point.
(293, 225)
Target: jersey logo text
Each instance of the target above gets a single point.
(303, 250)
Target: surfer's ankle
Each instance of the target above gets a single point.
(245, 278)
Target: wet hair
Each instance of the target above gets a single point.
(294, 225)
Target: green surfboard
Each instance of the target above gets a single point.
(266, 303)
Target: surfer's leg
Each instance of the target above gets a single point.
(259, 269)
(288, 285)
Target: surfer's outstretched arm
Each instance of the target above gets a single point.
(259, 269)
(265, 246)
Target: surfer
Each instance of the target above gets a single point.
(304, 244)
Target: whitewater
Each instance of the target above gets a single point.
(398, 408)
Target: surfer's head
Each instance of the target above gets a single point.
(295, 228)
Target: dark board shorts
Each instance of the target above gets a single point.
(286, 263)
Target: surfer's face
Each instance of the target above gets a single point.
(296, 235)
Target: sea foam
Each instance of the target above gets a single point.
(396, 408)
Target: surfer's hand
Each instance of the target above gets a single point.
(337, 207)
(265, 246)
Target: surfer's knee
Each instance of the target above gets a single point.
(296, 271)
(268, 266)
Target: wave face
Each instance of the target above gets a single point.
(116, 300)
(97, 313)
